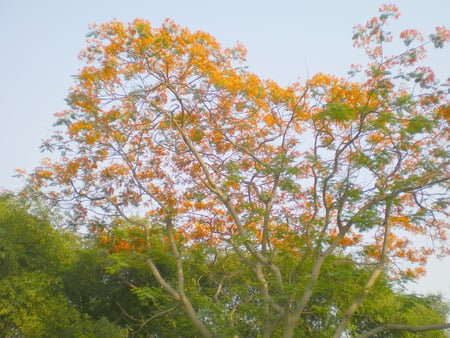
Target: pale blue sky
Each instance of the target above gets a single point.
(40, 41)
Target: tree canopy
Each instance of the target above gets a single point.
(34, 258)
(253, 206)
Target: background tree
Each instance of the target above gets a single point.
(33, 259)
(169, 133)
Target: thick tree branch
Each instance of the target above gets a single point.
(373, 277)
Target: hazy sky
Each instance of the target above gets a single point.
(286, 40)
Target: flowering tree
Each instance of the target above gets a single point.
(169, 135)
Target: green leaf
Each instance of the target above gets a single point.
(147, 294)
(339, 112)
